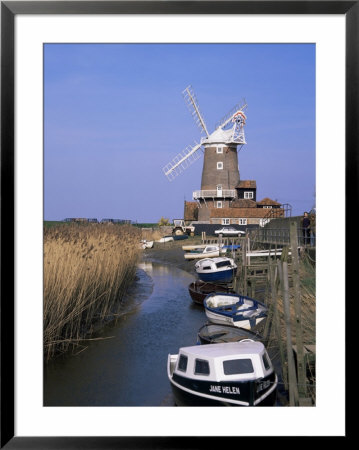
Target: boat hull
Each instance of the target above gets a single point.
(247, 324)
(199, 290)
(187, 392)
(224, 276)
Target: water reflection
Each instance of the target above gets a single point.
(129, 368)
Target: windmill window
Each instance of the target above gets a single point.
(248, 195)
(219, 149)
(220, 165)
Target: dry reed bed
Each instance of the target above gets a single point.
(87, 270)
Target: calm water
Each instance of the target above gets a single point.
(130, 368)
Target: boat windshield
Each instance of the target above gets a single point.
(238, 366)
(223, 264)
(182, 363)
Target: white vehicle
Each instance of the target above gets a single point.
(229, 231)
(180, 228)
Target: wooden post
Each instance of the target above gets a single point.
(274, 279)
(297, 308)
(244, 261)
(292, 377)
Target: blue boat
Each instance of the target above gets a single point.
(231, 247)
(219, 269)
(233, 309)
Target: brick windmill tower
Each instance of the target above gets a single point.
(220, 174)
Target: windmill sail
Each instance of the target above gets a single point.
(191, 101)
(180, 162)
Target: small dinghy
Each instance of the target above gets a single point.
(228, 374)
(212, 333)
(188, 248)
(166, 239)
(146, 244)
(220, 269)
(198, 290)
(209, 251)
(234, 309)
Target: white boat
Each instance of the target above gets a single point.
(146, 244)
(233, 309)
(229, 231)
(220, 269)
(209, 251)
(188, 248)
(165, 239)
(228, 374)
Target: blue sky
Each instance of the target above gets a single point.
(114, 115)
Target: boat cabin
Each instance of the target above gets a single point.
(215, 263)
(237, 361)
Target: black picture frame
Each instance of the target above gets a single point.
(9, 9)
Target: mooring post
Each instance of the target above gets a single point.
(298, 313)
(244, 262)
(278, 328)
(292, 377)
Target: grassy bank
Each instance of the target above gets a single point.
(87, 270)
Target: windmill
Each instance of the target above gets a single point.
(220, 173)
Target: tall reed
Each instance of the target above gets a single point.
(87, 270)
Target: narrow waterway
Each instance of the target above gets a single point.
(129, 369)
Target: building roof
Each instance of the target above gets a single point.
(247, 184)
(268, 201)
(243, 203)
(233, 213)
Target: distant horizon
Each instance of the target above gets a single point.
(114, 116)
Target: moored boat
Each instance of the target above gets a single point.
(188, 248)
(234, 309)
(198, 290)
(220, 269)
(180, 237)
(213, 333)
(146, 244)
(227, 374)
(165, 239)
(210, 251)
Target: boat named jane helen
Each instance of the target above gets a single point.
(228, 374)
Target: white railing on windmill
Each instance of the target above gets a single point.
(221, 134)
(236, 117)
